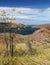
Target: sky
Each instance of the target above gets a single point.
(27, 12)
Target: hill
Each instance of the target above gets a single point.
(11, 25)
(47, 26)
(41, 34)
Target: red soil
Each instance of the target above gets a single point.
(2, 43)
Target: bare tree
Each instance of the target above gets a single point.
(11, 44)
(4, 17)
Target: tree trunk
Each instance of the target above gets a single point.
(11, 44)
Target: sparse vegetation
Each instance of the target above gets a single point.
(26, 51)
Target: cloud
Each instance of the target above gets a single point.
(27, 14)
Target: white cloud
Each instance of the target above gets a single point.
(27, 13)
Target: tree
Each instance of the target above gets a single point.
(0, 18)
(4, 15)
(13, 19)
(14, 9)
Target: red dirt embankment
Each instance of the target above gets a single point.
(40, 34)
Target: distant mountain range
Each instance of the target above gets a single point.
(13, 25)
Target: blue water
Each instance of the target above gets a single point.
(23, 31)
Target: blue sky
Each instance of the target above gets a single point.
(27, 11)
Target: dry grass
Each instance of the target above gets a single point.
(22, 56)
(41, 56)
